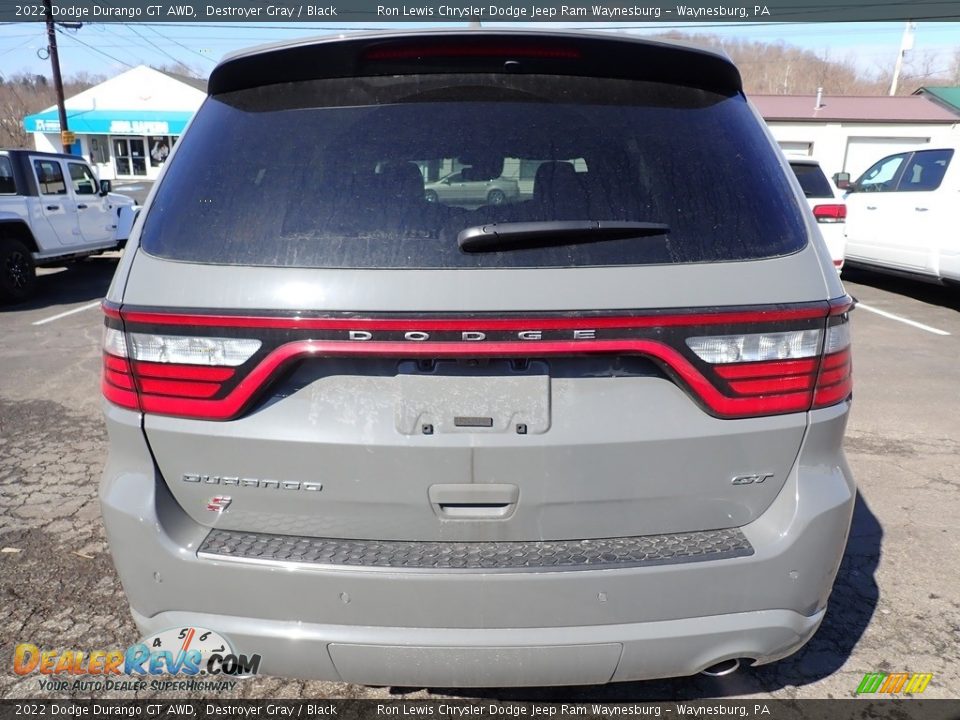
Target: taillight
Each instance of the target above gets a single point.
(832, 213)
(835, 381)
(116, 381)
(767, 372)
(471, 50)
(734, 362)
(163, 372)
(777, 372)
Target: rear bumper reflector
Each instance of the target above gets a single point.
(478, 557)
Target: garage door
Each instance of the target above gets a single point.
(862, 152)
(790, 147)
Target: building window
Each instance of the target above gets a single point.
(159, 149)
(129, 156)
(99, 150)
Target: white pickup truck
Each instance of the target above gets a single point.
(53, 209)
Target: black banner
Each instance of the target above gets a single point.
(854, 709)
(349, 12)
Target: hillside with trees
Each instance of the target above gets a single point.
(782, 69)
(767, 68)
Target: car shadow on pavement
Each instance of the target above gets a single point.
(86, 279)
(943, 295)
(852, 605)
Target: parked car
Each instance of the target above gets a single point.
(53, 209)
(825, 203)
(591, 436)
(459, 188)
(904, 215)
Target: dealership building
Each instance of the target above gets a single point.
(125, 126)
(850, 133)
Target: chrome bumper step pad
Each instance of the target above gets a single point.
(477, 557)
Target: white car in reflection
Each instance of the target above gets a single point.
(458, 188)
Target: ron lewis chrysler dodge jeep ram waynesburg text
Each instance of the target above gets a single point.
(586, 433)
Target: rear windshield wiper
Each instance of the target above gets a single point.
(522, 235)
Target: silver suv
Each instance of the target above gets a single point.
(589, 436)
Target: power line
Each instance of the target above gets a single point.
(153, 44)
(96, 50)
(17, 47)
(114, 33)
(181, 45)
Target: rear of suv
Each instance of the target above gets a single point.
(829, 210)
(588, 433)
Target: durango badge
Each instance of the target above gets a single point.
(252, 482)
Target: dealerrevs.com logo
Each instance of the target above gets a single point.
(186, 653)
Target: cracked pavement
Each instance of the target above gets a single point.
(895, 606)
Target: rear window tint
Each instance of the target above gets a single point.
(812, 180)
(386, 171)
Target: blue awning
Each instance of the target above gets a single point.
(112, 122)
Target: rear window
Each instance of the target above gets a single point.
(385, 172)
(812, 180)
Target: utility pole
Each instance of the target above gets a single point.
(65, 133)
(906, 43)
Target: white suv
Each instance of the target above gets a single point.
(904, 215)
(829, 210)
(52, 208)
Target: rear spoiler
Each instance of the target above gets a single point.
(592, 54)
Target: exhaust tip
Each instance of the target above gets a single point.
(720, 669)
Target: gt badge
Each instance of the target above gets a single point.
(755, 479)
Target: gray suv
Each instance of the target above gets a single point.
(589, 436)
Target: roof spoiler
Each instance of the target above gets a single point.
(594, 54)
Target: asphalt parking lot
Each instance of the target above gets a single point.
(895, 606)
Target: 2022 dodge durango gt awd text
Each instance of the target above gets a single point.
(590, 433)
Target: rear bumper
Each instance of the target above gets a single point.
(577, 626)
(585, 655)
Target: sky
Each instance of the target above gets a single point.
(107, 49)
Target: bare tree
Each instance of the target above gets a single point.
(25, 94)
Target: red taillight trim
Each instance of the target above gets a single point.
(718, 403)
(604, 322)
(118, 364)
(111, 310)
(118, 396)
(773, 385)
(116, 382)
(200, 373)
(830, 213)
(177, 388)
(121, 380)
(416, 52)
(841, 305)
(726, 391)
(835, 381)
(777, 368)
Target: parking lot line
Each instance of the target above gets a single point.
(68, 312)
(904, 320)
